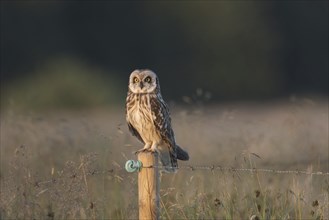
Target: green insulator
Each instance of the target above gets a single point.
(133, 166)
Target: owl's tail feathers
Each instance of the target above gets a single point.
(181, 154)
(169, 158)
(169, 161)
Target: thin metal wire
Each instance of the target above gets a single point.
(119, 171)
(253, 170)
(221, 168)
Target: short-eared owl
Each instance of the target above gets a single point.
(149, 120)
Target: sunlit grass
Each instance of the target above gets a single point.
(69, 165)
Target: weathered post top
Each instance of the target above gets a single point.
(148, 186)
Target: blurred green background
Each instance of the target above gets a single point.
(80, 54)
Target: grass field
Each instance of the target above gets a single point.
(69, 165)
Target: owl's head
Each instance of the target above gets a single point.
(143, 81)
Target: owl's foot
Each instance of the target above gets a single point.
(144, 150)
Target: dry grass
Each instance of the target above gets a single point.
(69, 165)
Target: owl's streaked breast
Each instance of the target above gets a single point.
(140, 116)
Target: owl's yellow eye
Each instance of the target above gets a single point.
(148, 79)
(135, 80)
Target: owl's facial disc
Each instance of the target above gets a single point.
(142, 81)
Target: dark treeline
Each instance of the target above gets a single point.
(235, 49)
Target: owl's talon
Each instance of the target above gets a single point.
(143, 150)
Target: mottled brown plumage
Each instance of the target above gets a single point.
(149, 119)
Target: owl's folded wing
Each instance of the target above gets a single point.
(162, 121)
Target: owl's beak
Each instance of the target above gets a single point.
(141, 85)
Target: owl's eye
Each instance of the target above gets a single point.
(148, 79)
(135, 80)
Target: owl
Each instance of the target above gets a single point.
(149, 120)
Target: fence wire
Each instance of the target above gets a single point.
(218, 168)
(252, 170)
(117, 171)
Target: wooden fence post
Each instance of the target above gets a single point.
(148, 186)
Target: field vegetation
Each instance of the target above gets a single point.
(70, 164)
